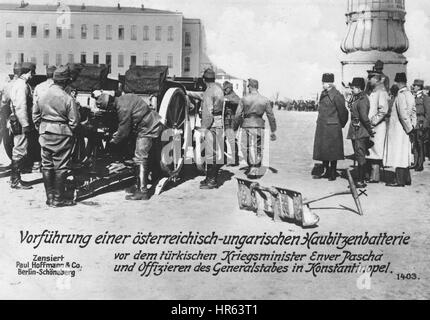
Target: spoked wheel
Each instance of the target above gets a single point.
(175, 140)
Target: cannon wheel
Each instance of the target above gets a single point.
(176, 138)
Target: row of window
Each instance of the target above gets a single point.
(59, 32)
(96, 59)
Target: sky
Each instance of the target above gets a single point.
(285, 44)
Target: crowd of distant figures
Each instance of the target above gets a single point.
(297, 105)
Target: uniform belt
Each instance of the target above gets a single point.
(421, 114)
(217, 113)
(55, 121)
(252, 115)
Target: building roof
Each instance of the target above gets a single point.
(81, 9)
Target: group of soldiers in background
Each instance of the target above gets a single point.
(297, 105)
(47, 120)
(388, 125)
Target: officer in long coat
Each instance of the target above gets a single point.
(332, 117)
(135, 116)
(56, 117)
(421, 134)
(360, 129)
(249, 116)
(21, 106)
(212, 129)
(379, 108)
(401, 126)
(231, 103)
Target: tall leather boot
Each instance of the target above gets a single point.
(15, 177)
(142, 192)
(326, 171)
(360, 184)
(333, 171)
(206, 180)
(212, 178)
(48, 181)
(59, 186)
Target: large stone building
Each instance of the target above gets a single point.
(375, 32)
(117, 36)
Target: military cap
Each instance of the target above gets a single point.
(28, 66)
(252, 83)
(62, 73)
(328, 78)
(103, 101)
(17, 68)
(358, 83)
(401, 77)
(209, 74)
(419, 83)
(227, 85)
(379, 65)
(50, 71)
(373, 73)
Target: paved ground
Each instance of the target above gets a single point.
(185, 208)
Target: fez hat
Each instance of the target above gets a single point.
(328, 78)
(27, 66)
(17, 68)
(104, 100)
(358, 83)
(418, 82)
(252, 83)
(373, 73)
(227, 84)
(62, 73)
(50, 71)
(401, 77)
(209, 74)
(379, 65)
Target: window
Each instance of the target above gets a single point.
(58, 59)
(33, 31)
(20, 31)
(109, 61)
(20, 57)
(145, 59)
(8, 30)
(133, 32)
(96, 59)
(187, 39)
(170, 34)
(8, 58)
(170, 60)
(59, 33)
(96, 32)
(187, 65)
(71, 58)
(157, 59)
(108, 32)
(145, 33)
(72, 31)
(84, 31)
(83, 57)
(46, 30)
(121, 60)
(46, 58)
(121, 33)
(158, 33)
(33, 58)
(133, 60)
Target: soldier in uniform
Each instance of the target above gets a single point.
(360, 129)
(212, 127)
(231, 103)
(332, 117)
(397, 153)
(249, 116)
(56, 117)
(135, 116)
(421, 134)
(21, 106)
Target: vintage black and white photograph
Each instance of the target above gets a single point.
(214, 150)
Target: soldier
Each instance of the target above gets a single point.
(379, 108)
(332, 117)
(56, 117)
(403, 119)
(421, 134)
(249, 116)
(135, 116)
(360, 129)
(231, 103)
(21, 123)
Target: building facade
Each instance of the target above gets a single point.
(116, 36)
